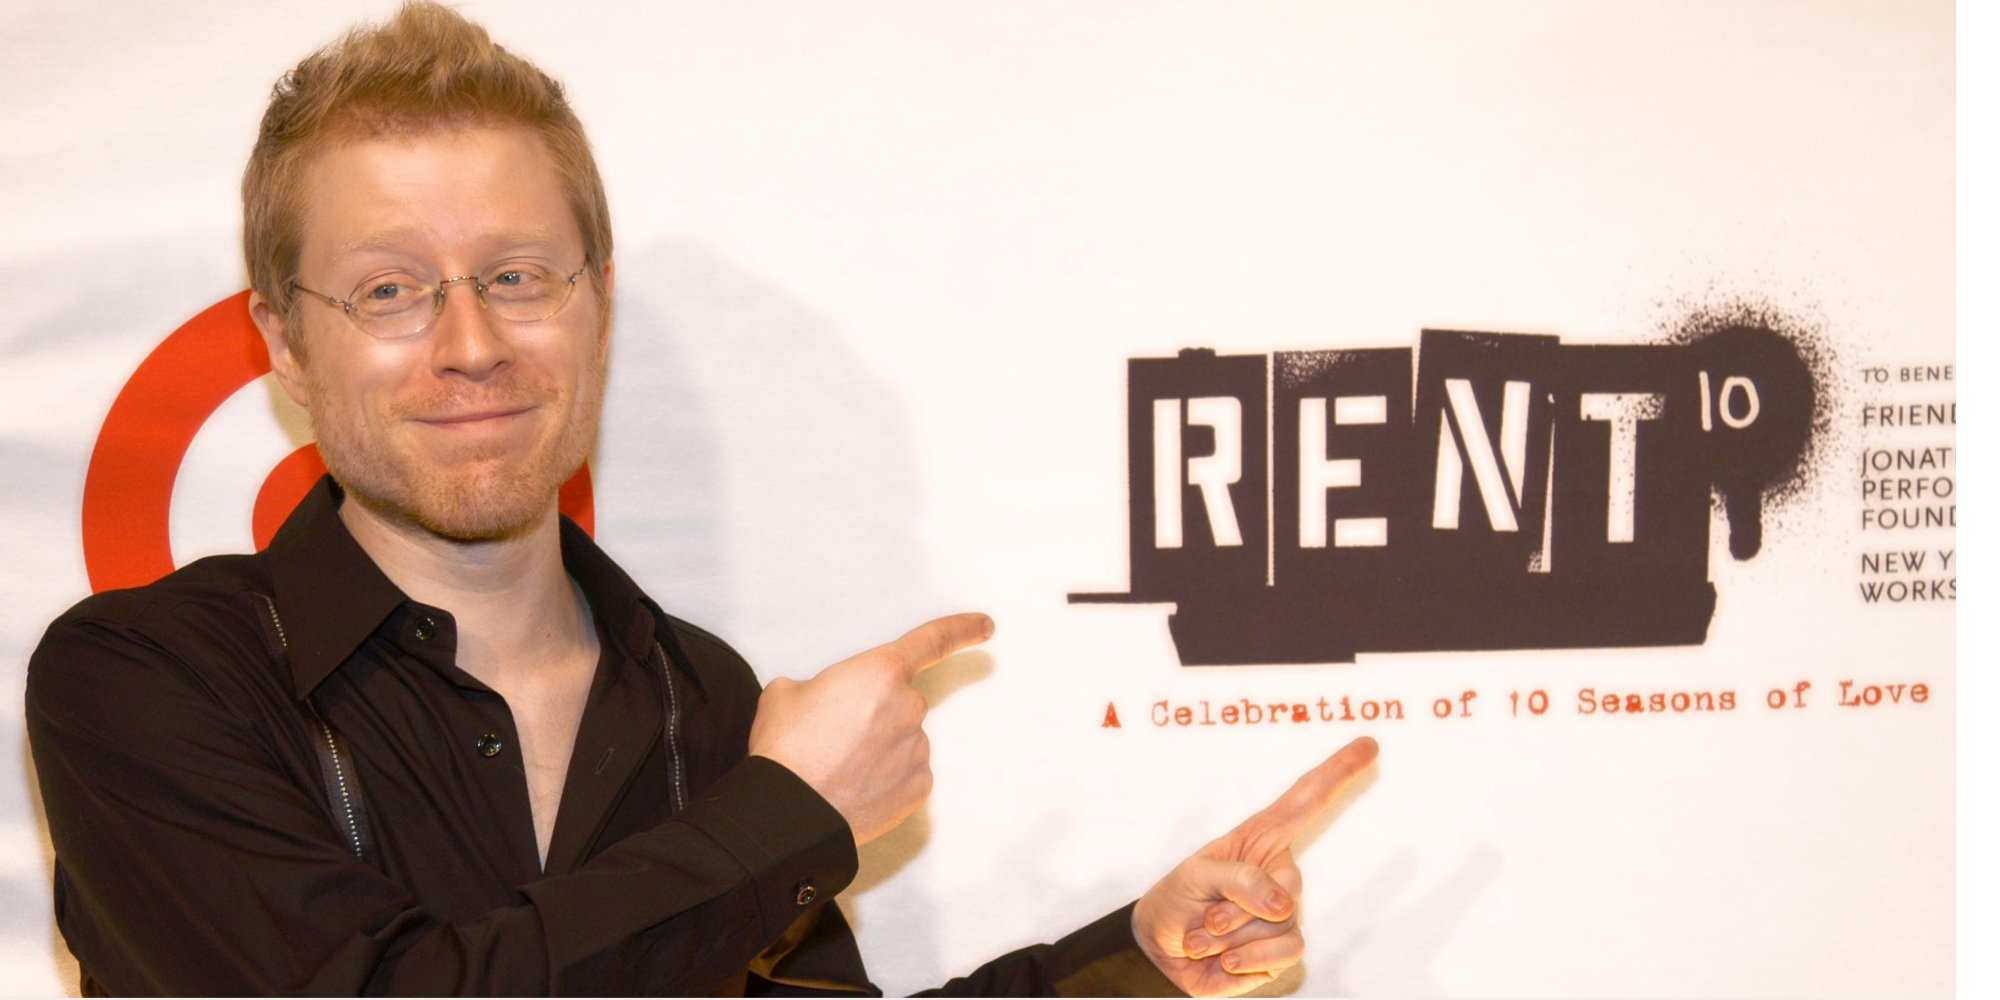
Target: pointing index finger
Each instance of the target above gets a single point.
(1279, 823)
(935, 641)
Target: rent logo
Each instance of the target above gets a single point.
(1493, 491)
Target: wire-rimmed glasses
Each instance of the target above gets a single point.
(397, 305)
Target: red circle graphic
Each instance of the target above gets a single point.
(129, 488)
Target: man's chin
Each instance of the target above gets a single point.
(475, 491)
(467, 508)
(481, 525)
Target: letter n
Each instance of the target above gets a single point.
(1498, 474)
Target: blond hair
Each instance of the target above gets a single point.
(426, 69)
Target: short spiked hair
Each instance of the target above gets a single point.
(426, 69)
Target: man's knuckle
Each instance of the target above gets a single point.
(1248, 877)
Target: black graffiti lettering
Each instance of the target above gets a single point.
(1487, 491)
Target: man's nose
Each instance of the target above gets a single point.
(467, 340)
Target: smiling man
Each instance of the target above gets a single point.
(433, 740)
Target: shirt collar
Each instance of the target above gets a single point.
(331, 596)
(621, 608)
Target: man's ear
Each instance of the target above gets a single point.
(609, 275)
(610, 285)
(284, 364)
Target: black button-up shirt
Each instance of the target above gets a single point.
(203, 847)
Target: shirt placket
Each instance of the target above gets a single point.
(482, 736)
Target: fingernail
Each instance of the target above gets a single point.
(988, 630)
(1230, 962)
(1276, 901)
(1197, 949)
(1215, 924)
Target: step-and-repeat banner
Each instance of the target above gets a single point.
(1561, 393)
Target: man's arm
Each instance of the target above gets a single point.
(1222, 922)
(855, 731)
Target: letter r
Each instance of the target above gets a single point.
(1213, 474)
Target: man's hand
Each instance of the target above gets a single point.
(855, 732)
(1225, 921)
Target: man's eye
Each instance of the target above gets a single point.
(520, 278)
(384, 292)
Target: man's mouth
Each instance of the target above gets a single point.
(474, 418)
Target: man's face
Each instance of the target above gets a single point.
(467, 430)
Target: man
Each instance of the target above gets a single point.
(432, 739)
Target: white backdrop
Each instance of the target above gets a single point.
(881, 267)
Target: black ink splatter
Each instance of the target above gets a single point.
(1786, 362)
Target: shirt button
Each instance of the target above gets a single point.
(807, 892)
(427, 628)
(489, 745)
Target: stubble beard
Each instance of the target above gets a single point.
(486, 492)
